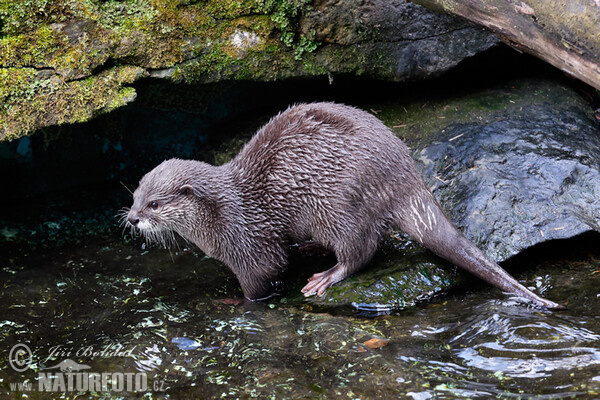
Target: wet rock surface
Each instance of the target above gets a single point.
(401, 275)
(531, 176)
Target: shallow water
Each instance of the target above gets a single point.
(179, 318)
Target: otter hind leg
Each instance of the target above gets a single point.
(350, 259)
(319, 282)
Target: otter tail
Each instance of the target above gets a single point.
(445, 240)
(467, 256)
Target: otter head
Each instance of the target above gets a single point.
(169, 199)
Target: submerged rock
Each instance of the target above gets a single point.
(513, 167)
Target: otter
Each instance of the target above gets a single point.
(321, 171)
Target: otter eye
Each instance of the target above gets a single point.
(153, 205)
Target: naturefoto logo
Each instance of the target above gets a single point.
(72, 379)
(71, 376)
(68, 366)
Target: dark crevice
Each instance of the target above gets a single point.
(28, 67)
(109, 64)
(578, 248)
(416, 39)
(48, 71)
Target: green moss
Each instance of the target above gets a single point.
(284, 14)
(26, 15)
(74, 40)
(151, 34)
(54, 102)
(125, 16)
(32, 48)
(15, 82)
(306, 44)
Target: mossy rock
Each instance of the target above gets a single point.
(68, 61)
(401, 275)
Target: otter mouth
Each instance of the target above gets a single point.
(153, 233)
(145, 226)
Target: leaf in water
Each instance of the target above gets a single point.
(376, 343)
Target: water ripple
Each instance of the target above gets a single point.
(520, 345)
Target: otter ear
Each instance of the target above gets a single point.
(186, 190)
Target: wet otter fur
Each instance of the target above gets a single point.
(321, 171)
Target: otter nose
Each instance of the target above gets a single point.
(133, 218)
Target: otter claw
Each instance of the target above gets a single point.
(310, 289)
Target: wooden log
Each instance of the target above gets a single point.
(564, 33)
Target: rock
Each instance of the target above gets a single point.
(71, 61)
(530, 176)
(401, 275)
(513, 166)
(395, 40)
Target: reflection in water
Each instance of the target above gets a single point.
(149, 359)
